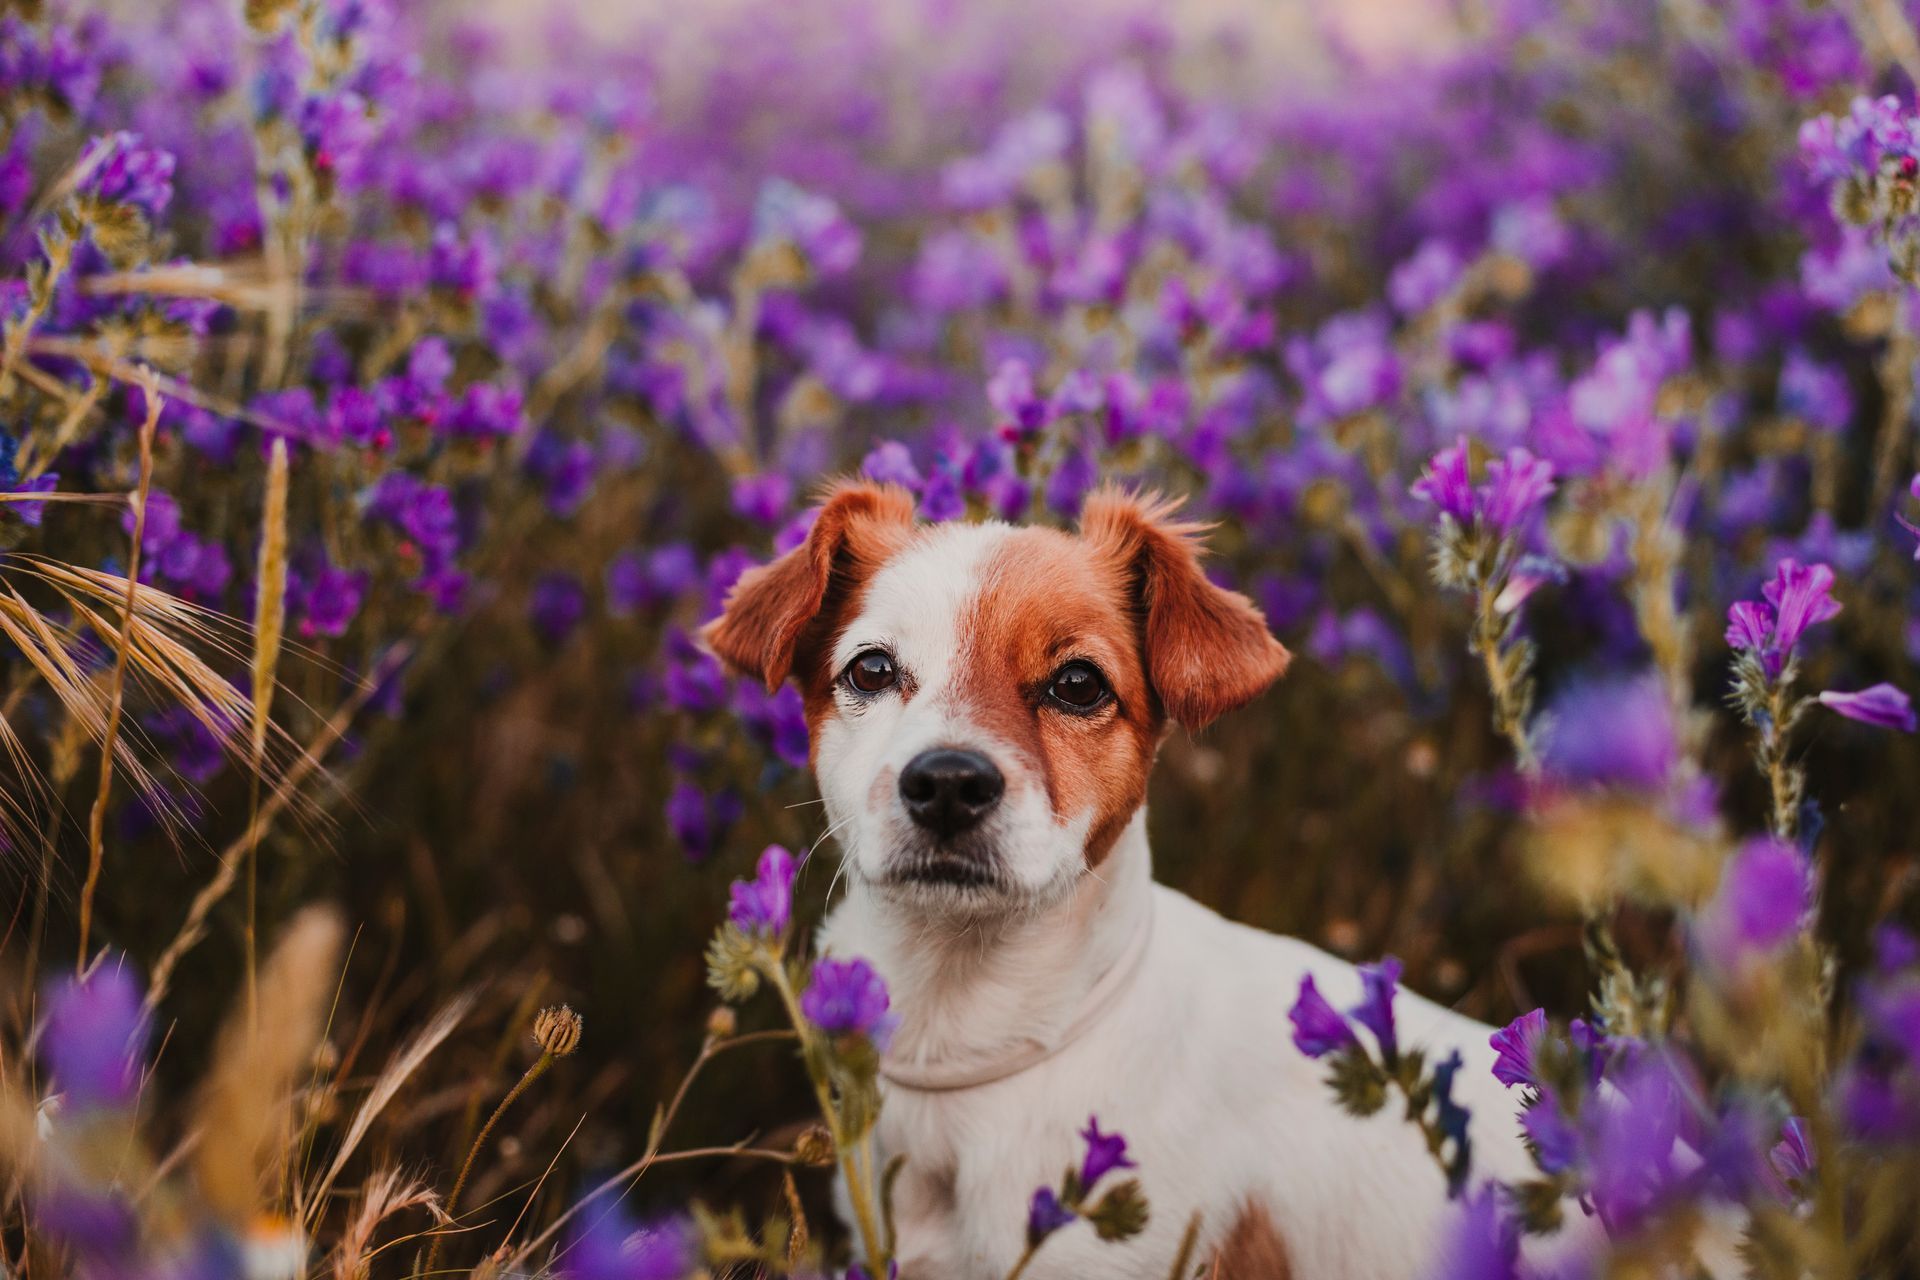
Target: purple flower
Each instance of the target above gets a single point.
(1610, 731)
(1556, 1142)
(1483, 1244)
(1764, 894)
(1318, 1028)
(1046, 1215)
(1792, 1157)
(764, 905)
(1516, 487)
(846, 997)
(1378, 985)
(698, 820)
(95, 1037)
(812, 224)
(1814, 392)
(331, 601)
(609, 1246)
(1515, 1044)
(121, 169)
(1882, 705)
(556, 606)
(763, 498)
(1798, 597)
(1105, 1153)
(1447, 484)
(890, 462)
(1011, 393)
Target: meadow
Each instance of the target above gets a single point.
(392, 885)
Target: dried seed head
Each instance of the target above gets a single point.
(557, 1030)
(721, 1023)
(814, 1146)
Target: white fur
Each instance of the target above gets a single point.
(1194, 1062)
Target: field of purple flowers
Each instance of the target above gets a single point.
(386, 399)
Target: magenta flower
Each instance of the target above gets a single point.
(1378, 985)
(1447, 484)
(1515, 1044)
(847, 998)
(764, 905)
(1318, 1028)
(1516, 487)
(1484, 1242)
(1105, 1153)
(1798, 597)
(1881, 705)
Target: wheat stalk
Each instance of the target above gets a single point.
(97, 821)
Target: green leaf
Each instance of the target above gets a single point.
(1121, 1213)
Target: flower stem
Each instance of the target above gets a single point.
(533, 1073)
(857, 1189)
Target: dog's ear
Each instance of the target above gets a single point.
(858, 526)
(1208, 649)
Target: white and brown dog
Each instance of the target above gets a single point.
(985, 703)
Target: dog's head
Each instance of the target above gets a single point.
(984, 702)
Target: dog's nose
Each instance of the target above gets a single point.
(946, 790)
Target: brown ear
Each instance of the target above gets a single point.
(1207, 649)
(768, 610)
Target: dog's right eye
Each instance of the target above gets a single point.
(872, 671)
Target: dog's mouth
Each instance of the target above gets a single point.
(950, 867)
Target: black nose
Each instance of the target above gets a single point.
(947, 791)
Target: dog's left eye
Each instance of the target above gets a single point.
(1078, 686)
(872, 671)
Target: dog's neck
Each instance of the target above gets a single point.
(981, 998)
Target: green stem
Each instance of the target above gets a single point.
(857, 1189)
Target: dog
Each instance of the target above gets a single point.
(984, 704)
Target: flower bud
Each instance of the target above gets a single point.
(557, 1030)
(722, 1023)
(814, 1146)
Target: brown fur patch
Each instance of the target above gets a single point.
(1208, 649)
(1044, 601)
(1253, 1250)
(781, 618)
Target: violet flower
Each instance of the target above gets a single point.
(1379, 983)
(1880, 705)
(1515, 1046)
(1046, 1215)
(847, 998)
(1318, 1028)
(95, 1035)
(763, 906)
(1105, 1153)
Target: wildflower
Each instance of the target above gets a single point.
(1046, 1215)
(763, 906)
(847, 998)
(1483, 1244)
(1881, 705)
(1378, 985)
(95, 1037)
(1516, 487)
(812, 224)
(1447, 484)
(1105, 1153)
(1798, 597)
(1318, 1028)
(1515, 1046)
(122, 169)
(1765, 891)
(1610, 731)
(556, 1029)
(1450, 1121)
(556, 606)
(1814, 392)
(610, 1246)
(1792, 1157)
